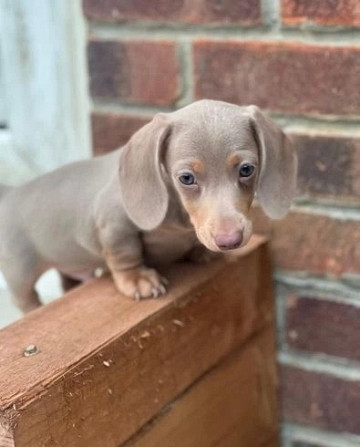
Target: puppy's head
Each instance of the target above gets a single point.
(215, 156)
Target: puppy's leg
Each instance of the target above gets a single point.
(21, 284)
(132, 278)
(21, 267)
(140, 282)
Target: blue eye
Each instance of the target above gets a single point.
(187, 179)
(246, 170)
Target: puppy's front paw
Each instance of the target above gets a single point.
(201, 255)
(140, 282)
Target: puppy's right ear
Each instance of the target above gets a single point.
(143, 189)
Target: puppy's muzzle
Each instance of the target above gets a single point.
(229, 240)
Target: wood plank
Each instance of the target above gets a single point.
(107, 364)
(273, 442)
(232, 405)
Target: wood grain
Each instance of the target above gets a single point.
(107, 365)
(232, 405)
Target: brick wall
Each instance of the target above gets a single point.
(300, 61)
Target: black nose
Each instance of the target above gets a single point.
(229, 241)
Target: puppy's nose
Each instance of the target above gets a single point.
(229, 241)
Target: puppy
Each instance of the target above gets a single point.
(182, 185)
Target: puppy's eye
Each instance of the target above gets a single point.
(187, 179)
(246, 170)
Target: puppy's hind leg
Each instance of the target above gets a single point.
(21, 279)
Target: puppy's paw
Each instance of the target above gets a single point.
(201, 255)
(140, 282)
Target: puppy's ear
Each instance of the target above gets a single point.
(144, 192)
(278, 165)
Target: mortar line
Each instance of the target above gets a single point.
(280, 315)
(321, 125)
(321, 209)
(117, 107)
(337, 367)
(285, 442)
(348, 282)
(271, 14)
(320, 292)
(298, 432)
(318, 124)
(154, 31)
(343, 203)
(186, 73)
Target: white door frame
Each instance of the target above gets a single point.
(45, 102)
(45, 82)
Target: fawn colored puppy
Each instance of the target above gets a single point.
(182, 185)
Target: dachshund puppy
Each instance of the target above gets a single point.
(183, 185)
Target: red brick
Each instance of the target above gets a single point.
(282, 77)
(134, 72)
(322, 12)
(329, 167)
(317, 244)
(320, 400)
(323, 326)
(243, 12)
(110, 130)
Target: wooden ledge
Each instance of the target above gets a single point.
(107, 365)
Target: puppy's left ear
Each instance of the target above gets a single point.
(143, 189)
(278, 165)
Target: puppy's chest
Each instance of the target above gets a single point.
(167, 244)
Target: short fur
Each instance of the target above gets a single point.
(128, 211)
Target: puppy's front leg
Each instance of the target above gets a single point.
(132, 278)
(140, 282)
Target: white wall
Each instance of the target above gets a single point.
(44, 98)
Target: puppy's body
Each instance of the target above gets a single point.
(83, 216)
(38, 216)
(55, 221)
